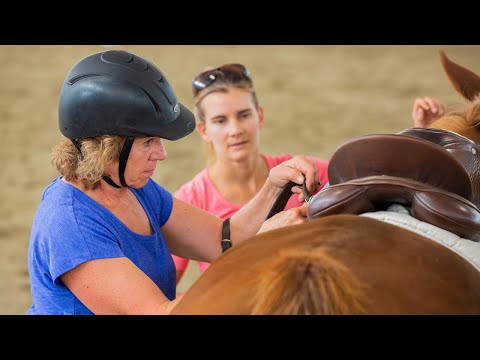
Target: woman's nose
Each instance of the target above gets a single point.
(159, 153)
(235, 127)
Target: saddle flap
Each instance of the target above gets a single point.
(399, 156)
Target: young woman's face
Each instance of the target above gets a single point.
(142, 160)
(232, 123)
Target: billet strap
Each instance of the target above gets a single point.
(281, 200)
(284, 196)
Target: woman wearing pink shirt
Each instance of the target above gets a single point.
(229, 120)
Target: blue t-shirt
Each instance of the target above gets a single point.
(70, 228)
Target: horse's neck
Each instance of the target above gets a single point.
(398, 215)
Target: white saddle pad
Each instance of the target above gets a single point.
(399, 215)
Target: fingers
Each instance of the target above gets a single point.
(426, 110)
(308, 169)
(298, 169)
(297, 215)
(292, 216)
(418, 116)
(433, 105)
(303, 210)
(418, 105)
(426, 103)
(299, 191)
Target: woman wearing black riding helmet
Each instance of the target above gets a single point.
(103, 235)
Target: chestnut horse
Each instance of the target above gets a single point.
(341, 262)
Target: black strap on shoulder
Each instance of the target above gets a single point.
(226, 242)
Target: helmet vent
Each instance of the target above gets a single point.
(154, 103)
(80, 77)
(126, 59)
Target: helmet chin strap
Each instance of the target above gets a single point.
(110, 182)
(122, 164)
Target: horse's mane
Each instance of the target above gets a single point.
(305, 282)
(464, 120)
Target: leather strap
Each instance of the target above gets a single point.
(281, 200)
(226, 242)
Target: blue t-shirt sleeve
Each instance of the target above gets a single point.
(82, 237)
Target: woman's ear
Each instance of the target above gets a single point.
(202, 130)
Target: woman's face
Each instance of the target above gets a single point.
(232, 123)
(142, 160)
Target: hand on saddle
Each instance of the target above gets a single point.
(294, 170)
(426, 110)
(293, 216)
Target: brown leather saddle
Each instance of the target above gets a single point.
(418, 168)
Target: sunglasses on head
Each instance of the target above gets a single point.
(235, 72)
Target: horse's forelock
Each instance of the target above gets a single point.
(307, 281)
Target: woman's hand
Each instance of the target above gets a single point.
(293, 216)
(294, 170)
(426, 110)
(251, 217)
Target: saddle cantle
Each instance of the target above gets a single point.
(371, 172)
(466, 151)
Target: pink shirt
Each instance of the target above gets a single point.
(201, 192)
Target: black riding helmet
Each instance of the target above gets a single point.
(119, 93)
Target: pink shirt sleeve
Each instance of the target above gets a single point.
(180, 262)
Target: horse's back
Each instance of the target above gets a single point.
(396, 270)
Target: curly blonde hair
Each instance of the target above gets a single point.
(91, 164)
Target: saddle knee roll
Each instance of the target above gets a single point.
(456, 215)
